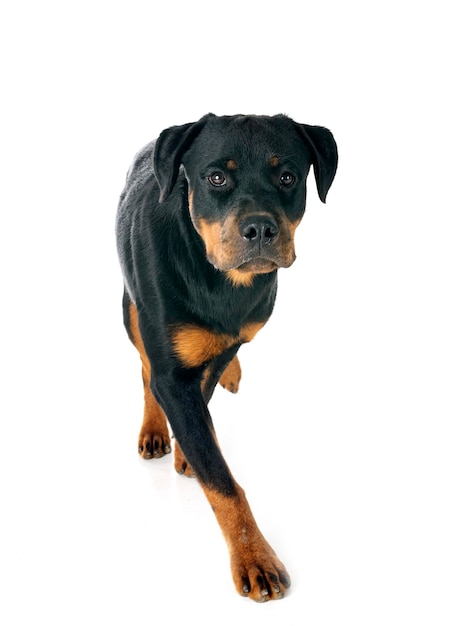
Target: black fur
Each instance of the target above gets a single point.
(163, 255)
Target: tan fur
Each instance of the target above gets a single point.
(195, 345)
(154, 431)
(251, 556)
(231, 377)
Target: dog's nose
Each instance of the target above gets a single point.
(259, 229)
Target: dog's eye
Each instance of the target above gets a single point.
(287, 179)
(217, 179)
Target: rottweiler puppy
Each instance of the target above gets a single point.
(207, 217)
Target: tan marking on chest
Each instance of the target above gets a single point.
(195, 345)
(240, 279)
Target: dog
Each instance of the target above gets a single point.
(206, 218)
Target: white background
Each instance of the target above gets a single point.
(342, 431)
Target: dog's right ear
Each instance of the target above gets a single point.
(169, 149)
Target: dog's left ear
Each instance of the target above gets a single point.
(324, 155)
(169, 148)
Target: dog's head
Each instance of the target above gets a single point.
(247, 185)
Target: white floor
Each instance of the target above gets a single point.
(342, 432)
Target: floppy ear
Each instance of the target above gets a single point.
(324, 155)
(169, 148)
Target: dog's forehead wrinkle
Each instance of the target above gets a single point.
(248, 159)
(259, 147)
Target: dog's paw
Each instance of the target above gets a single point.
(180, 463)
(153, 445)
(259, 576)
(231, 376)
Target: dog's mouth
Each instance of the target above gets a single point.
(255, 263)
(228, 251)
(264, 259)
(258, 265)
(255, 244)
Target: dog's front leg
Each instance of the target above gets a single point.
(256, 570)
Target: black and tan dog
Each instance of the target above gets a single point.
(207, 217)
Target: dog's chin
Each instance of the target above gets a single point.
(257, 265)
(253, 264)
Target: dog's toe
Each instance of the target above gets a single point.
(261, 579)
(153, 446)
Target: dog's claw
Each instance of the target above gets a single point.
(263, 585)
(152, 446)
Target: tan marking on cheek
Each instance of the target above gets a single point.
(288, 241)
(195, 345)
(231, 164)
(292, 226)
(211, 235)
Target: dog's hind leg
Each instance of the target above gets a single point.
(154, 440)
(180, 463)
